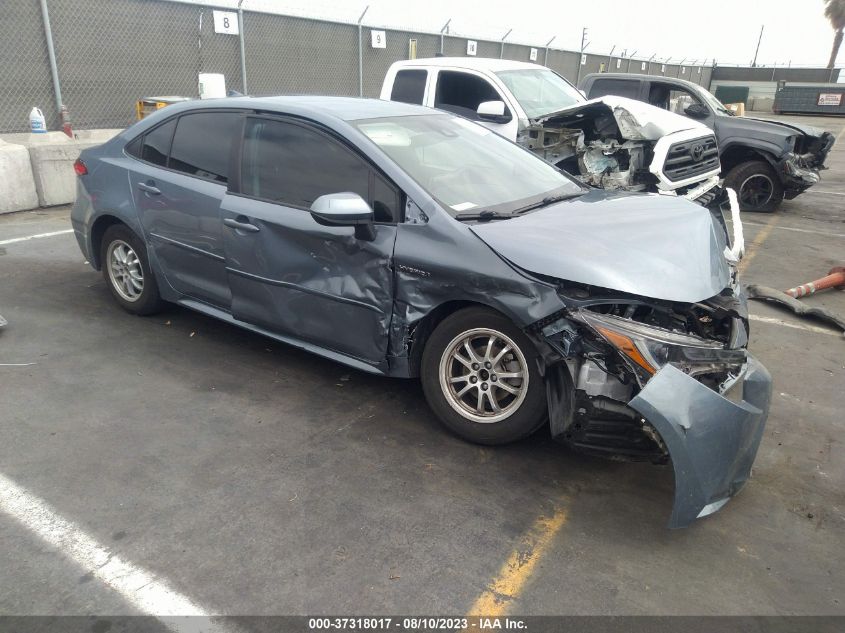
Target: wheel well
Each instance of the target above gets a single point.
(739, 154)
(420, 332)
(97, 231)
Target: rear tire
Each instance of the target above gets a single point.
(757, 186)
(481, 377)
(126, 269)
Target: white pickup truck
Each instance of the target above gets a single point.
(610, 142)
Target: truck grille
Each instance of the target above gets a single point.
(691, 158)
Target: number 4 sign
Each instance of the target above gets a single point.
(226, 22)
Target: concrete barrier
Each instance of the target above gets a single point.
(17, 185)
(51, 156)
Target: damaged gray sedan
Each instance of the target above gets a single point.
(411, 243)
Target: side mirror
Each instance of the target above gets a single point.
(345, 209)
(697, 111)
(493, 111)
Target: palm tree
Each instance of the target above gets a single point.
(834, 10)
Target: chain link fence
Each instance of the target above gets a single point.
(110, 53)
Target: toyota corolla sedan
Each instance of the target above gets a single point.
(408, 242)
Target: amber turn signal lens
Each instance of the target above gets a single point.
(627, 347)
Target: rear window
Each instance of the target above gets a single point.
(617, 87)
(409, 86)
(202, 144)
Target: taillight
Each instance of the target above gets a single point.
(79, 167)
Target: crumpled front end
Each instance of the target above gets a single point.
(800, 169)
(615, 143)
(712, 437)
(659, 381)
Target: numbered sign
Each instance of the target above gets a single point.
(642, 66)
(533, 55)
(472, 48)
(683, 70)
(226, 22)
(663, 68)
(379, 39)
(583, 60)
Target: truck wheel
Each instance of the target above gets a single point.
(481, 378)
(757, 186)
(126, 270)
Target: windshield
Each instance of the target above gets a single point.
(540, 91)
(464, 166)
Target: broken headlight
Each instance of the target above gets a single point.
(648, 348)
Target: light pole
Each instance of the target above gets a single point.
(442, 31)
(546, 56)
(502, 50)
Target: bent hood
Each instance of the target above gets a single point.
(788, 127)
(637, 121)
(643, 244)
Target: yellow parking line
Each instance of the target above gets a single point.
(757, 242)
(519, 567)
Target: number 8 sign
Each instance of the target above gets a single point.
(226, 22)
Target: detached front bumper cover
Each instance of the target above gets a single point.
(712, 440)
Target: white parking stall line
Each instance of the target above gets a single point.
(26, 238)
(139, 587)
(794, 326)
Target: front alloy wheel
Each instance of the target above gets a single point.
(484, 375)
(481, 376)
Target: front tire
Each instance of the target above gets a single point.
(126, 269)
(757, 186)
(480, 376)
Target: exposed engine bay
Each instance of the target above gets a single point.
(612, 347)
(614, 143)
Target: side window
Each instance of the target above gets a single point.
(294, 165)
(680, 100)
(156, 144)
(617, 87)
(462, 93)
(671, 98)
(409, 86)
(203, 142)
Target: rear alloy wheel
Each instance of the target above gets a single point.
(480, 376)
(757, 186)
(127, 271)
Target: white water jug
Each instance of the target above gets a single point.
(37, 123)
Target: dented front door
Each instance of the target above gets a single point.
(287, 273)
(315, 283)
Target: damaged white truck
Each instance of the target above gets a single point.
(611, 143)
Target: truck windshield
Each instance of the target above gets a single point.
(466, 167)
(540, 91)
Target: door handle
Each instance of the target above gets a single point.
(241, 223)
(143, 186)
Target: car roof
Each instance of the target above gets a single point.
(472, 63)
(643, 77)
(342, 108)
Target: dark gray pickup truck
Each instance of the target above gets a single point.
(764, 161)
